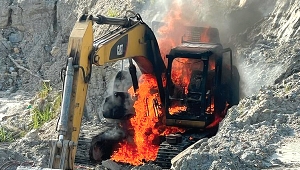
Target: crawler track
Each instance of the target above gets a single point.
(82, 155)
(88, 131)
(168, 151)
(165, 154)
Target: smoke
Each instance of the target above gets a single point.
(230, 17)
(256, 72)
(117, 103)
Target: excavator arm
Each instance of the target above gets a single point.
(132, 40)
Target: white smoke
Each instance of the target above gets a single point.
(231, 17)
(256, 72)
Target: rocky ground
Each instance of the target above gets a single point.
(262, 132)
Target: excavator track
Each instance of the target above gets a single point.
(88, 131)
(167, 150)
(82, 155)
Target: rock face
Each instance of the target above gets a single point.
(39, 31)
(265, 51)
(33, 47)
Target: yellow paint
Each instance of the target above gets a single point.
(80, 41)
(136, 46)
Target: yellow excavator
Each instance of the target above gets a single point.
(213, 82)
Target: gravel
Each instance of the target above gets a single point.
(254, 133)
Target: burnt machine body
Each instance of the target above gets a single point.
(205, 88)
(208, 87)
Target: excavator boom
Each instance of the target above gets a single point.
(83, 51)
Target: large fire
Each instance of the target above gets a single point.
(146, 125)
(172, 30)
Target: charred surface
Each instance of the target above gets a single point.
(118, 106)
(171, 147)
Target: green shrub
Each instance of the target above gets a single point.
(42, 116)
(5, 135)
(113, 13)
(57, 102)
(46, 88)
(47, 111)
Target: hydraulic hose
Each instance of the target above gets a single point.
(100, 19)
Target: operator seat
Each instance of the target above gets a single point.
(195, 86)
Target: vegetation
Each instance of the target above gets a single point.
(46, 88)
(41, 116)
(113, 13)
(45, 110)
(57, 102)
(288, 88)
(5, 135)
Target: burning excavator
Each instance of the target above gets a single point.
(178, 99)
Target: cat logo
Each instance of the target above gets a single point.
(120, 49)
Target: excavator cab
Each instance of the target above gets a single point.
(198, 80)
(187, 96)
(201, 84)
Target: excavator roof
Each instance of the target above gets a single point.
(196, 50)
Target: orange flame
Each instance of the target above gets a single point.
(172, 30)
(204, 37)
(147, 126)
(219, 117)
(181, 73)
(211, 108)
(177, 109)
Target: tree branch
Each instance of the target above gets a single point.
(23, 68)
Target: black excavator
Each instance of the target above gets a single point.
(212, 84)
